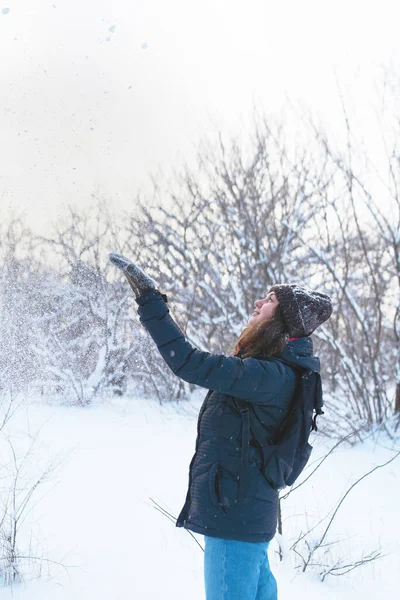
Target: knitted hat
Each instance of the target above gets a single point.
(302, 310)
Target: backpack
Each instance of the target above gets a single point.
(285, 454)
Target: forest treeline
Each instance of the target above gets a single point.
(215, 238)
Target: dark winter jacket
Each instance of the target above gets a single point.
(266, 386)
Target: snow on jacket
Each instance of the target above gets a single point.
(266, 386)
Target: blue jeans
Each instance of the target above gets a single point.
(237, 570)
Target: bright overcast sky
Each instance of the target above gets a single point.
(95, 95)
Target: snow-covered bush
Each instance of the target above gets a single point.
(255, 213)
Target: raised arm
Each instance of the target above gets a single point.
(258, 381)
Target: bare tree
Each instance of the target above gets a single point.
(85, 330)
(218, 238)
(364, 267)
(313, 546)
(18, 363)
(20, 485)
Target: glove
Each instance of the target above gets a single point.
(138, 281)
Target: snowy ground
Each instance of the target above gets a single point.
(95, 514)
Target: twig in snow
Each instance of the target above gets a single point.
(171, 517)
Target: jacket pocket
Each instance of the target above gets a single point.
(213, 484)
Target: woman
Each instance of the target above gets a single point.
(237, 516)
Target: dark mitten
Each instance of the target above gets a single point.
(138, 281)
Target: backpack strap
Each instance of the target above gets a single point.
(258, 431)
(318, 404)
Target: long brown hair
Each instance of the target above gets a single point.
(267, 338)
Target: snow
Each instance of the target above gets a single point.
(95, 512)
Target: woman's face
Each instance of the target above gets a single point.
(264, 309)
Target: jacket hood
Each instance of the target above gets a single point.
(300, 352)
